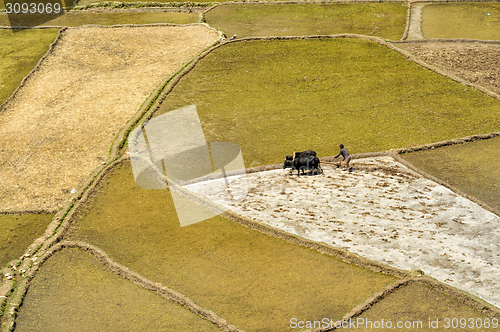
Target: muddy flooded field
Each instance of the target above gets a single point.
(255, 281)
(391, 215)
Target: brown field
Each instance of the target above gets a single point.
(474, 62)
(61, 124)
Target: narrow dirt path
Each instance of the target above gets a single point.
(415, 31)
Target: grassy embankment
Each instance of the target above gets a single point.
(254, 281)
(462, 20)
(275, 97)
(473, 167)
(378, 19)
(74, 292)
(17, 232)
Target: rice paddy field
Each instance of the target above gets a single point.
(60, 300)
(109, 252)
(78, 18)
(254, 281)
(87, 2)
(462, 20)
(300, 94)
(17, 232)
(374, 19)
(471, 167)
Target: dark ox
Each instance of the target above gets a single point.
(306, 160)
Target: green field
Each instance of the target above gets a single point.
(379, 19)
(75, 292)
(19, 54)
(86, 2)
(462, 20)
(418, 303)
(17, 233)
(69, 3)
(78, 18)
(254, 281)
(275, 97)
(473, 167)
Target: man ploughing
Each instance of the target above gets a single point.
(345, 155)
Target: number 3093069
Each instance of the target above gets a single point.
(33, 8)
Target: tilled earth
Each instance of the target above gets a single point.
(385, 212)
(475, 62)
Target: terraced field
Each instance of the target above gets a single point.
(78, 101)
(300, 94)
(59, 300)
(85, 248)
(462, 20)
(78, 18)
(378, 19)
(471, 167)
(252, 280)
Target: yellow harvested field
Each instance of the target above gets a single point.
(62, 122)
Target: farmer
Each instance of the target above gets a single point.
(345, 154)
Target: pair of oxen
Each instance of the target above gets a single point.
(302, 161)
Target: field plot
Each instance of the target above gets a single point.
(19, 54)
(86, 2)
(476, 63)
(418, 303)
(391, 216)
(78, 18)
(61, 124)
(378, 19)
(275, 97)
(462, 20)
(17, 232)
(74, 292)
(472, 167)
(250, 279)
